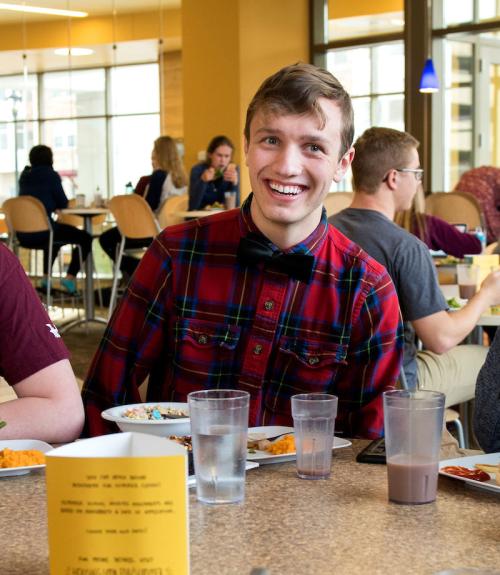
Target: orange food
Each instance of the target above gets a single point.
(284, 445)
(476, 474)
(20, 458)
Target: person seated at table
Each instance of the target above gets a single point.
(211, 179)
(386, 176)
(484, 184)
(436, 234)
(34, 361)
(41, 181)
(167, 179)
(267, 298)
(487, 402)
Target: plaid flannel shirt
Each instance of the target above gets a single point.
(194, 317)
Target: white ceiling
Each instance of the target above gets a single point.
(93, 7)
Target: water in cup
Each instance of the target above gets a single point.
(219, 461)
(314, 444)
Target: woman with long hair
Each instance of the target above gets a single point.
(435, 232)
(167, 179)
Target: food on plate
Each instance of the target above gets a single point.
(214, 206)
(154, 413)
(459, 471)
(257, 441)
(21, 457)
(495, 310)
(453, 303)
(488, 468)
(184, 440)
(284, 445)
(447, 261)
(2, 424)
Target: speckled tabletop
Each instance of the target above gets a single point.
(294, 527)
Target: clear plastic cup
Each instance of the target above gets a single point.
(229, 200)
(467, 279)
(314, 424)
(219, 428)
(413, 425)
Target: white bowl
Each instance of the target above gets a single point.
(163, 428)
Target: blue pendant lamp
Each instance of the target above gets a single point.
(429, 82)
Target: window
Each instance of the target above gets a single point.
(100, 123)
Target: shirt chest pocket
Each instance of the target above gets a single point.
(205, 352)
(303, 366)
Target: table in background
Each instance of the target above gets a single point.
(343, 525)
(487, 319)
(197, 213)
(87, 214)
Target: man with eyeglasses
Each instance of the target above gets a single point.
(386, 176)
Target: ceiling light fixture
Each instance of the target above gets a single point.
(41, 10)
(73, 51)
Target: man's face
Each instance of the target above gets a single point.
(407, 183)
(292, 162)
(220, 157)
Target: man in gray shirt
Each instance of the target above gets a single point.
(386, 176)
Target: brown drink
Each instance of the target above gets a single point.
(412, 480)
(466, 291)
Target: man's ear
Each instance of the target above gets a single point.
(343, 165)
(245, 147)
(390, 179)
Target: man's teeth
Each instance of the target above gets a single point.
(287, 190)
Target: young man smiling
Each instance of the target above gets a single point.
(270, 298)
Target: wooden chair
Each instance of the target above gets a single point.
(26, 214)
(455, 208)
(167, 212)
(491, 248)
(135, 220)
(336, 202)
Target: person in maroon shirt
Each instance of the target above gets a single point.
(34, 361)
(268, 298)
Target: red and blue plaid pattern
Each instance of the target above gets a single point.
(194, 317)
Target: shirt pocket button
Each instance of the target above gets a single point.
(313, 360)
(257, 350)
(202, 339)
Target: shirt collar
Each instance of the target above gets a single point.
(310, 245)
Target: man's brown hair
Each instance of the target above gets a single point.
(379, 150)
(295, 90)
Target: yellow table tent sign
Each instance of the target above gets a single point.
(118, 504)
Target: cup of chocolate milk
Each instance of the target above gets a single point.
(413, 423)
(467, 279)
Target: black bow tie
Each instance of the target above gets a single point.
(254, 249)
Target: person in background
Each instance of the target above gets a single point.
(267, 298)
(487, 404)
(436, 234)
(41, 181)
(210, 180)
(386, 176)
(34, 361)
(484, 184)
(167, 179)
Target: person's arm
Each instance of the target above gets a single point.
(487, 400)
(155, 187)
(443, 330)
(443, 236)
(60, 197)
(197, 187)
(49, 406)
(373, 363)
(133, 341)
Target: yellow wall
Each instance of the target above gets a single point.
(223, 70)
(348, 9)
(128, 27)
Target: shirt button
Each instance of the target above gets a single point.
(203, 339)
(269, 305)
(257, 349)
(313, 360)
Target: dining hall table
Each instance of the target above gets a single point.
(289, 526)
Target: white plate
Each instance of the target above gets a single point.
(264, 457)
(249, 465)
(21, 444)
(489, 458)
(163, 428)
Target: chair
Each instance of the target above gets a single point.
(26, 214)
(455, 208)
(491, 248)
(167, 212)
(135, 220)
(337, 201)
